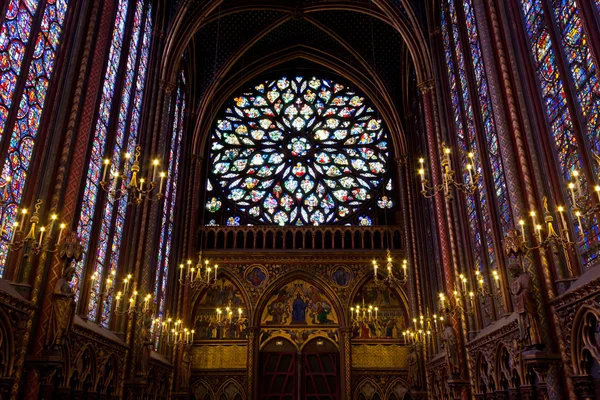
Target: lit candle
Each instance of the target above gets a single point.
(115, 182)
(577, 182)
(442, 299)
(597, 188)
(578, 215)
(572, 189)
(538, 228)
(447, 151)
(192, 274)
(141, 188)
(162, 178)
(469, 168)
(14, 232)
(146, 300)
(239, 313)
(208, 275)
(106, 164)
(42, 230)
(216, 268)
(563, 223)
(376, 310)
(53, 218)
(118, 300)
(193, 331)
(404, 267)
(496, 279)
(522, 225)
(60, 232)
(22, 224)
(155, 164)
(131, 303)
(189, 265)
(181, 272)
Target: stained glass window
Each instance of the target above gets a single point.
(168, 214)
(128, 113)
(466, 140)
(299, 151)
(13, 40)
(552, 87)
(489, 125)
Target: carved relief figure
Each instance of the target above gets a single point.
(63, 309)
(413, 367)
(529, 328)
(186, 366)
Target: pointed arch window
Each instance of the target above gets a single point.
(168, 213)
(30, 36)
(472, 112)
(569, 44)
(116, 133)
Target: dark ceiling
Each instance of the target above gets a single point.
(234, 30)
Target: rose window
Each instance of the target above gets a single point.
(299, 151)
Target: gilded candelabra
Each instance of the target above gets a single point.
(193, 276)
(390, 278)
(137, 188)
(448, 180)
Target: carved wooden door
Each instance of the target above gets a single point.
(278, 376)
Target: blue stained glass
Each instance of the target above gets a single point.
(168, 214)
(467, 141)
(489, 126)
(106, 227)
(553, 90)
(90, 194)
(31, 105)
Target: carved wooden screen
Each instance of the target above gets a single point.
(320, 376)
(278, 376)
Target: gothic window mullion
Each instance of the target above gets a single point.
(590, 14)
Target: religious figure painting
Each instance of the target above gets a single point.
(341, 276)
(222, 294)
(256, 276)
(378, 296)
(299, 303)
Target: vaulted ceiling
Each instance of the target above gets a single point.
(378, 46)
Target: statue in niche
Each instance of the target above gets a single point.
(299, 310)
(530, 333)
(63, 309)
(186, 366)
(413, 367)
(451, 349)
(145, 343)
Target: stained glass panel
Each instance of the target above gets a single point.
(29, 114)
(552, 87)
(489, 125)
(299, 151)
(14, 36)
(467, 142)
(90, 194)
(168, 216)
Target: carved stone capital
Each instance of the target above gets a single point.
(402, 159)
(426, 85)
(167, 86)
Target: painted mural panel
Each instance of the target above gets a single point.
(377, 313)
(222, 314)
(299, 303)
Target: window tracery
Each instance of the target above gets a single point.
(298, 151)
